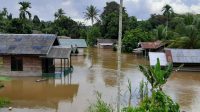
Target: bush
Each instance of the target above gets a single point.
(159, 102)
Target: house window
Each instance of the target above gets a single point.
(1, 60)
(16, 63)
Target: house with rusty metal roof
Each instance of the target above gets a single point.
(146, 47)
(31, 54)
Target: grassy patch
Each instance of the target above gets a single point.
(4, 102)
(4, 78)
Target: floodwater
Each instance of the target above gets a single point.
(95, 72)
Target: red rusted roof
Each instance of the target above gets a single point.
(151, 45)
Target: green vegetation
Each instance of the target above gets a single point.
(4, 78)
(100, 105)
(4, 102)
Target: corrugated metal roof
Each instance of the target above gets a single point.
(153, 56)
(58, 52)
(106, 41)
(151, 45)
(68, 42)
(185, 55)
(37, 44)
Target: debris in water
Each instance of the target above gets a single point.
(10, 108)
(41, 80)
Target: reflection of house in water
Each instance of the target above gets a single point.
(31, 54)
(77, 44)
(27, 93)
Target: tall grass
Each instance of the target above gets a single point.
(100, 105)
(4, 102)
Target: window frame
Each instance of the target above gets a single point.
(16, 63)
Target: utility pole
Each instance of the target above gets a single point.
(119, 56)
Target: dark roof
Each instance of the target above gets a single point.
(151, 45)
(183, 55)
(37, 44)
(58, 52)
(80, 43)
(106, 40)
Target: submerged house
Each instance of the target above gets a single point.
(106, 43)
(190, 58)
(77, 44)
(145, 47)
(31, 54)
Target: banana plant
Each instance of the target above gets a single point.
(156, 75)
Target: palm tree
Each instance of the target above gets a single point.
(91, 13)
(60, 13)
(189, 36)
(24, 10)
(5, 12)
(167, 12)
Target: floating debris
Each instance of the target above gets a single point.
(41, 80)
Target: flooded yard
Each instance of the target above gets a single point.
(94, 72)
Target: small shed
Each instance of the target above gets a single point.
(153, 56)
(106, 43)
(76, 44)
(30, 54)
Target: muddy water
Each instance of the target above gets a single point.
(95, 72)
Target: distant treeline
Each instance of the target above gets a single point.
(179, 30)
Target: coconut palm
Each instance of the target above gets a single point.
(189, 36)
(91, 13)
(167, 12)
(24, 10)
(60, 13)
(156, 75)
(4, 12)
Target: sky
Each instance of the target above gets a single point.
(142, 9)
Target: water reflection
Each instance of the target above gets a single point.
(25, 92)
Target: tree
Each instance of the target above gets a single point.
(16, 26)
(110, 18)
(167, 12)
(92, 34)
(60, 13)
(36, 20)
(24, 10)
(132, 37)
(188, 30)
(91, 13)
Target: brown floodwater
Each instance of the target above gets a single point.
(93, 72)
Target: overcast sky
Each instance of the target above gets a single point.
(142, 9)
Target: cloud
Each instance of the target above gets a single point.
(142, 9)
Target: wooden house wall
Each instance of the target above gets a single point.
(32, 66)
